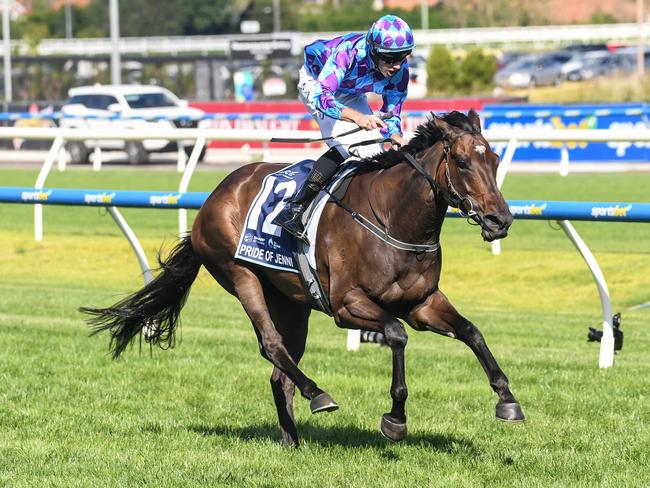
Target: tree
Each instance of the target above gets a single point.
(476, 72)
(442, 71)
(262, 11)
(176, 17)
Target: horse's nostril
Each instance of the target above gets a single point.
(498, 221)
(494, 220)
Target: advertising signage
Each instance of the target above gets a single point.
(260, 48)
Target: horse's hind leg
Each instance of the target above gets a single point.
(290, 319)
(283, 390)
(438, 315)
(249, 290)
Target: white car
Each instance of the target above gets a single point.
(126, 107)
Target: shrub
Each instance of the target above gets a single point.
(442, 71)
(476, 72)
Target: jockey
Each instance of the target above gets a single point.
(333, 84)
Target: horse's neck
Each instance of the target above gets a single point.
(413, 212)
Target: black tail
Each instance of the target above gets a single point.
(155, 308)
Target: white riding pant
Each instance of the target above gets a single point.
(329, 126)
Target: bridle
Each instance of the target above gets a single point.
(449, 194)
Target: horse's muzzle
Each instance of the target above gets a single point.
(495, 226)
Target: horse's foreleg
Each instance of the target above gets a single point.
(438, 315)
(251, 295)
(359, 311)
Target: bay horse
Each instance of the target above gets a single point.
(370, 284)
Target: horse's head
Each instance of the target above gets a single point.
(467, 174)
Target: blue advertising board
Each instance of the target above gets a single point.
(628, 117)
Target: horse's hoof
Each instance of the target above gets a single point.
(510, 412)
(290, 443)
(391, 429)
(323, 403)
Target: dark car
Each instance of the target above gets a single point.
(595, 67)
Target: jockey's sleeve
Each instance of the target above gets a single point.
(329, 79)
(393, 97)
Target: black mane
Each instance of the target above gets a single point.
(426, 135)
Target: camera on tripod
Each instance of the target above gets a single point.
(595, 335)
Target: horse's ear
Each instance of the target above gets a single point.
(474, 120)
(446, 129)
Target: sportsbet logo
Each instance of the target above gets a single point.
(164, 199)
(527, 209)
(35, 196)
(612, 211)
(99, 197)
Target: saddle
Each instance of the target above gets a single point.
(266, 244)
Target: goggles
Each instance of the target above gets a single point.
(393, 58)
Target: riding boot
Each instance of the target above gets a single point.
(290, 218)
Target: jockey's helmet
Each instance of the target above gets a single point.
(390, 36)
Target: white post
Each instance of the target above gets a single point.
(62, 160)
(496, 247)
(607, 341)
(354, 339)
(97, 158)
(564, 161)
(502, 171)
(181, 162)
(135, 243)
(199, 144)
(57, 144)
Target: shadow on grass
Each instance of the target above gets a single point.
(347, 437)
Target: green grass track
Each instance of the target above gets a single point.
(202, 413)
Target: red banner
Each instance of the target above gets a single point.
(409, 123)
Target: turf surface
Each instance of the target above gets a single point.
(202, 414)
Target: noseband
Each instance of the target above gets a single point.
(449, 194)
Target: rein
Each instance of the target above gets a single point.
(383, 233)
(292, 140)
(450, 195)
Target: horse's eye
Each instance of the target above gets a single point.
(462, 163)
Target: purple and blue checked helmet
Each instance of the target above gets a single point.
(390, 34)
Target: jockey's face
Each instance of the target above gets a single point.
(390, 63)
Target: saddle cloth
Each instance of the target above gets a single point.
(267, 244)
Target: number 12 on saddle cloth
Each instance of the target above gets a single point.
(263, 242)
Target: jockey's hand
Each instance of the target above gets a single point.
(367, 122)
(370, 122)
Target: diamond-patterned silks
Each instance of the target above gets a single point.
(344, 65)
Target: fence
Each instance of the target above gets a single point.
(562, 212)
(496, 117)
(552, 35)
(512, 138)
